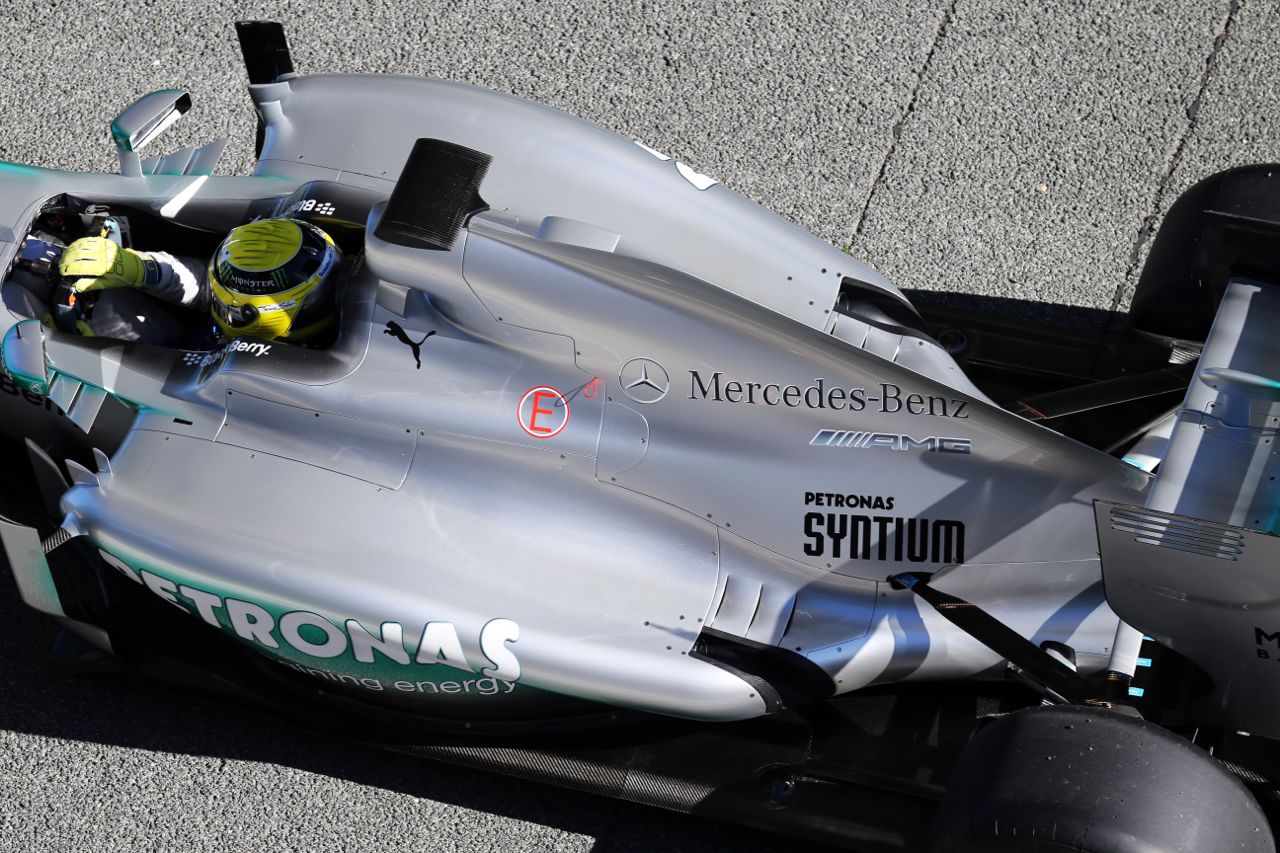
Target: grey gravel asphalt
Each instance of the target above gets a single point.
(994, 148)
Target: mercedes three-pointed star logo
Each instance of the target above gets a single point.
(644, 380)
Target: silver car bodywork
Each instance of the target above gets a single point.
(622, 411)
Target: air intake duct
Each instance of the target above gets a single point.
(438, 191)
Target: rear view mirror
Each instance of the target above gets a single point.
(144, 120)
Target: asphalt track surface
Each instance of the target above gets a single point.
(1013, 153)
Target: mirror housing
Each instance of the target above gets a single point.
(22, 356)
(144, 120)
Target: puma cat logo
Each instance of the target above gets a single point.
(396, 331)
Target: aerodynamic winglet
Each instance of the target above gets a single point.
(30, 568)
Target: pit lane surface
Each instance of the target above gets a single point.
(1016, 151)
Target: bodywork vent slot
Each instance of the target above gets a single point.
(1224, 617)
(1192, 536)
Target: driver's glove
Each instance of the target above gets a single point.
(96, 263)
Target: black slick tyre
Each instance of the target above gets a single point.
(1084, 779)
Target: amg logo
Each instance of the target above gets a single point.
(890, 441)
(913, 540)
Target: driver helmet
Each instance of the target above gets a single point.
(272, 279)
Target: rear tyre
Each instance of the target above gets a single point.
(1084, 779)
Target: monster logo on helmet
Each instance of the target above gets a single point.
(270, 279)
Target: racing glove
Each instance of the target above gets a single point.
(96, 263)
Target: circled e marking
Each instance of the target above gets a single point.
(543, 412)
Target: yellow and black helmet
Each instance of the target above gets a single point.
(271, 279)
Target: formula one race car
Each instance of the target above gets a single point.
(611, 478)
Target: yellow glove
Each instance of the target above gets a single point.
(96, 263)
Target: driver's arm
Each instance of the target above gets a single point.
(96, 263)
(180, 280)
